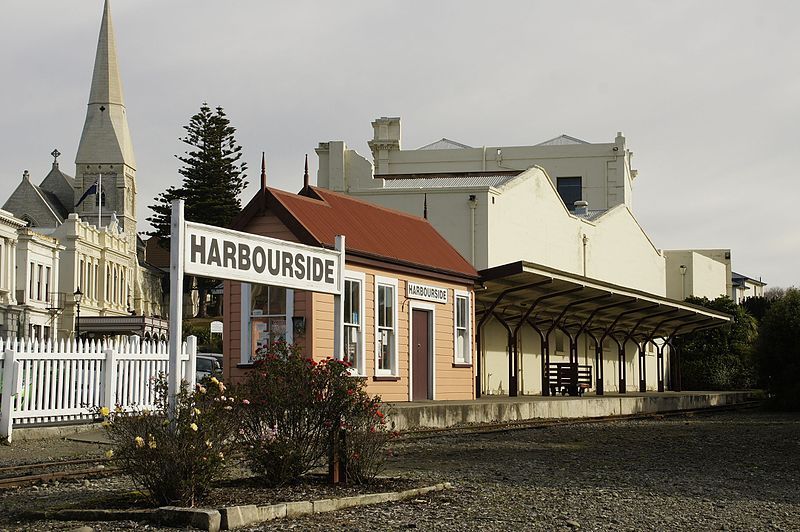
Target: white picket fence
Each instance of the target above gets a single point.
(57, 383)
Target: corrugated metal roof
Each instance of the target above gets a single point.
(368, 228)
(562, 140)
(456, 181)
(591, 215)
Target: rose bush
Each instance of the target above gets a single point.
(297, 408)
(174, 460)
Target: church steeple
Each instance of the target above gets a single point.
(105, 147)
(106, 138)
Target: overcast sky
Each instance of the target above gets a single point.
(707, 94)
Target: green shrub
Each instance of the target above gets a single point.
(297, 406)
(175, 461)
(366, 436)
(779, 350)
(721, 358)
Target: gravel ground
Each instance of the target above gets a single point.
(723, 471)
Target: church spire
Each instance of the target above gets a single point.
(106, 138)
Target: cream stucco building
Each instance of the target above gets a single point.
(552, 222)
(81, 231)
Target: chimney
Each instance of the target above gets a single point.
(581, 208)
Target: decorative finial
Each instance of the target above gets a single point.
(425, 208)
(263, 171)
(55, 153)
(26, 175)
(305, 175)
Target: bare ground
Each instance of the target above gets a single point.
(722, 471)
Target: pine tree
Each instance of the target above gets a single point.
(213, 179)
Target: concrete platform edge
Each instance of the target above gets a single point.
(447, 414)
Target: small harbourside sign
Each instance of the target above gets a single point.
(426, 292)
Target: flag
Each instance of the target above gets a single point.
(91, 190)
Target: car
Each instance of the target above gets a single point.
(208, 365)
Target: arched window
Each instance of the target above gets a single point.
(30, 221)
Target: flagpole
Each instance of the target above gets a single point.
(100, 200)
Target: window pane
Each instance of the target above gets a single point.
(389, 306)
(352, 339)
(569, 188)
(461, 312)
(277, 301)
(386, 338)
(461, 345)
(381, 306)
(267, 300)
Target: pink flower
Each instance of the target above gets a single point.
(245, 402)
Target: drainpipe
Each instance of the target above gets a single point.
(585, 240)
(483, 161)
(473, 204)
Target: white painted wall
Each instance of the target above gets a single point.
(705, 276)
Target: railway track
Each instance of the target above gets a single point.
(27, 474)
(487, 428)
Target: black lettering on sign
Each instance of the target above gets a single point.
(287, 265)
(317, 273)
(198, 249)
(300, 266)
(244, 257)
(259, 260)
(273, 261)
(213, 253)
(228, 254)
(329, 271)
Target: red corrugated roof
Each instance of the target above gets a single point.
(368, 228)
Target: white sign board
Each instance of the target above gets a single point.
(216, 327)
(225, 254)
(425, 292)
(208, 251)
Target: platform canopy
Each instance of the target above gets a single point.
(538, 295)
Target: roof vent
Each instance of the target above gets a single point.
(581, 208)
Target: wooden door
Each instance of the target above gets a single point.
(421, 355)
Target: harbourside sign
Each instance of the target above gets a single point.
(208, 251)
(225, 254)
(426, 292)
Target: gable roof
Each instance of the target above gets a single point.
(317, 215)
(62, 187)
(18, 203)
(562, 140)
(444, 144)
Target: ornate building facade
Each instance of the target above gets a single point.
(88, 221)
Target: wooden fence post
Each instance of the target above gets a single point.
(191, 364)
(110, 379)
(10, 390)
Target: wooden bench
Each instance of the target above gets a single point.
(568, 378)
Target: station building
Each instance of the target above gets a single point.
(568, 276)
(408, 297)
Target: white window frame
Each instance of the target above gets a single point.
(467, 360)
(393, 371)
(245, 356)
(360, 368)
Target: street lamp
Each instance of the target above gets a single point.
(682, 268)
(77, 295)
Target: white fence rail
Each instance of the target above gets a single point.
(52, 383)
